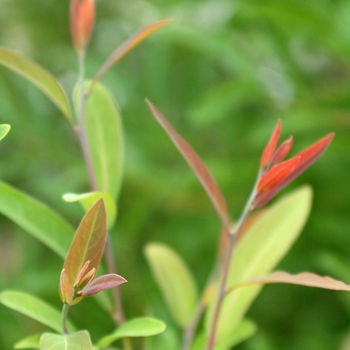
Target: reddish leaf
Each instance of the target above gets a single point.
(310, 155)
(271, 145)
(198, 167)
(88, 243)
(102, 283)
(123, 49)
(305, 279)
(282, 151)
(277, 174)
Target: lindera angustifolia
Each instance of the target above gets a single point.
(249, 247)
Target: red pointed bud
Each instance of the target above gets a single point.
(282, 151)
(277, 174)
(82, 17)
(271, 146)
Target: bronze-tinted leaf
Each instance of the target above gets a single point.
(304, 278)
(88, 243)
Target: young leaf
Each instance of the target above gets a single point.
(105, 139)
(31, 342)
(304, 279)
(198, 167)
(4, 129)
(138, 327)
(271, 146)
(123, 49)
(88, 243)
(102, 283)
(34, 308)
(36, 218)
(259, 250)
(75, 341)
(88, 199)
(38, 76)
(175, 281)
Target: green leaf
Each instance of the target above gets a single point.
(4, 129)
(245, 330)
(38, 76)
(33, 307)
(105, 139)
(261, 248)
(138, 327)
(76, 341)
(88, 244)
(31, 342)
(175, 281)
(36, 218)
(88, 199)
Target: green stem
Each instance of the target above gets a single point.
(227, 262)
(64, 318)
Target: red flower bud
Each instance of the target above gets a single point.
(82, 16)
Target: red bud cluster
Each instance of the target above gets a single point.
(276, 173)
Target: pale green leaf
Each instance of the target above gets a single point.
(4, 129)
(105, 139)
(38, 76)
(36, 218)
(75, 341)
(34, 308)
(245, 330)
(261, 248)
(138, 327)
(31, 342)
(175, 281)
(88, 199)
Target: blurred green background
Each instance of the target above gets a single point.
(223, 72)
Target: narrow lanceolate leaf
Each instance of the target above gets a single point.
(310, 155)
(282, 151)
(88, 199)
(105, 139)
(128, 45)
(31, 342)
(260, 249)
(38, 76)
(138, 327)
(88, 243)
(198, 167)
(102, 283)
(271, 146)
(34, 308)
(36, 218)
(304, 279)
(4, 129)
(75, 341)
(175, 281)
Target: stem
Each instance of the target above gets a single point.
(226, 265)
(64, 318)
(117, 312)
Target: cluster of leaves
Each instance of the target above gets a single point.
(181, 302)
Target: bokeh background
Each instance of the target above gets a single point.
(222, 73)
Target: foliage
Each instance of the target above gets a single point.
(217, 59)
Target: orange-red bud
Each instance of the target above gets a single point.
(82, 17)
(271, 146)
